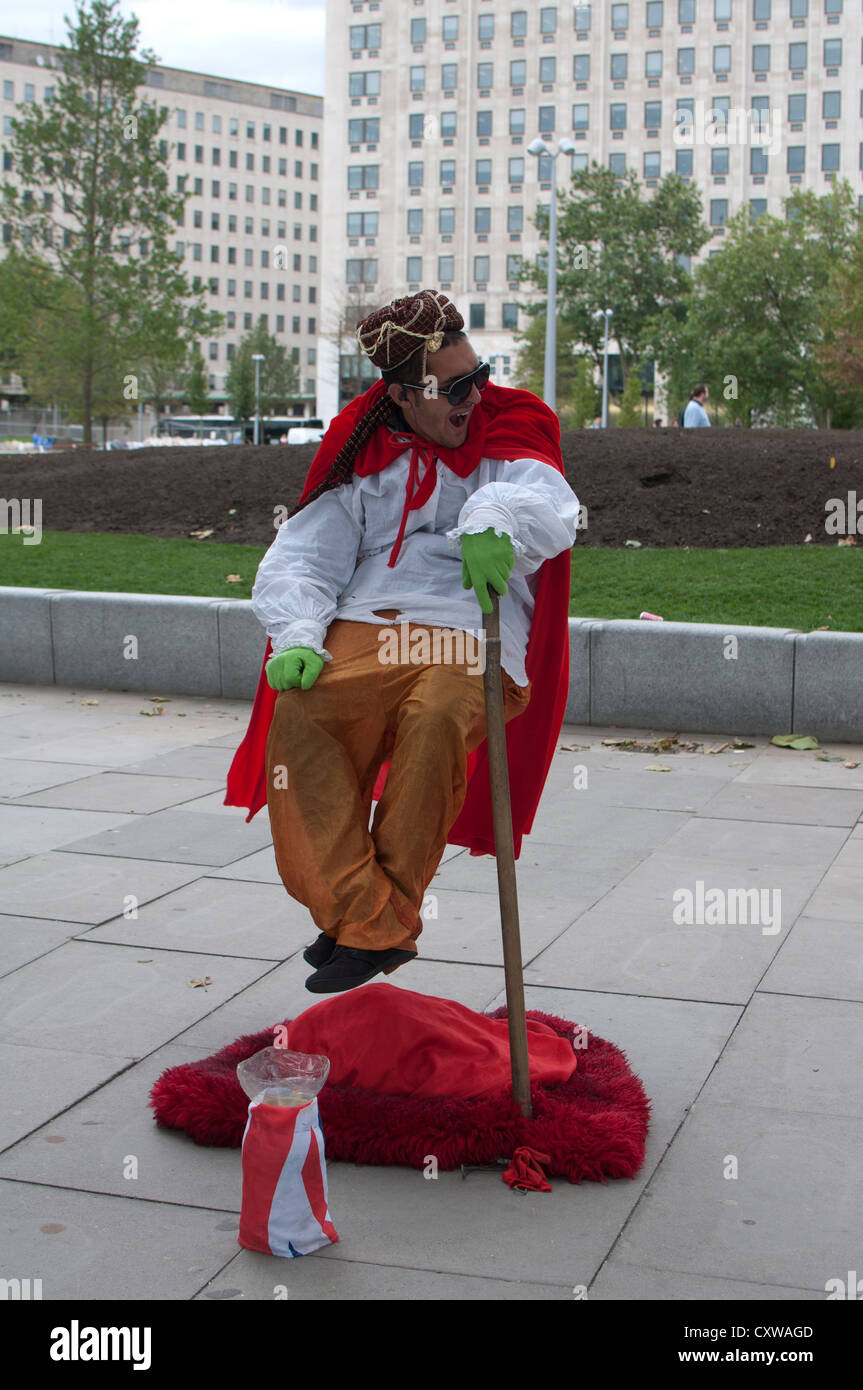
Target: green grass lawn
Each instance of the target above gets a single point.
(783, 586)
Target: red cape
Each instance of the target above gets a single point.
(507, 424)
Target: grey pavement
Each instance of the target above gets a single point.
(124, 880)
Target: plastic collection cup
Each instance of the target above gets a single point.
(651, 617)
(275, 1076)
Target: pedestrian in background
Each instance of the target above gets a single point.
(694, 414)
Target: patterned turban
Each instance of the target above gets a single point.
(391, 335)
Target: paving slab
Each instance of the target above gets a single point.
(791, 1217)
(819, 957)
(25, 938)
(41, 1082)
(620, 1281)
(630, 941)
(253, 1276)
(217, 917)
(120, 791)
(32, 829)
(19, 777)
(179, 836)
(114, 1000)
(85, 1247)
(748, 801)
(195, 760)
(86, 887)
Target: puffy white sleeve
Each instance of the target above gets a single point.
(307, 567)
(529, 501)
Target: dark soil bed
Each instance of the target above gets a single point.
(668, 487)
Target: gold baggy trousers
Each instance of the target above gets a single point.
(362, 886)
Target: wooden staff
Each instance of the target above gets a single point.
(505, 856)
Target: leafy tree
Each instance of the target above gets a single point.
(585, 396)
(89, 201)
(530, 363)
(630, 403)
(762, 314)
(196, 392)
(620, 250)
(279, 378)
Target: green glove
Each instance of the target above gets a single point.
(296, 667)
(486, 559)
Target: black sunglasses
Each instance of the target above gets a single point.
(461, 389)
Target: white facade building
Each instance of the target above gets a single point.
(253, 157)
(431, 104)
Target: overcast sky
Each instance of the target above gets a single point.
(277, 42)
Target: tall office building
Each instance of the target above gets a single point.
(431, 105)
(252, 157)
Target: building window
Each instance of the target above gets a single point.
(516, 170)
(448, 124)
(414, 270)
(799, 9)
(831, 106)
(513, 267)
(620, 17)
(718, 212)
(797, 55)
(362, 224)
(654, 14)
(722, 57)
(617, 164)
(761, 57)
(450, 29)
(515, 220)
(719, 160)
(683, 163)
(447, 172)
(582, 18)
(446, 222)
(685, 61)
(517, 72)
(418, 79)
(547, 70)
(830, 157)
(686, 11)
(364, 36)
(797, 108)
(757, 207)
(485, 27)
(356, 273)
(548, 19)
(516, 120)
(758, 160)
(617, 114)
(484, 75)
(651, 165)
(795, 159)
(483, 171)
(546, 119)
(652, 115)
(760, 9)
(832, 53)
(418, 31)
(619, 63)
(362, 132)
(581, 67)
(509, 316)
(653, 63)
(481, 269)
(518, 24)
(362, 176)
(483, 123)
(580, 116)
(449, 76)
(415, 222)
(477, 316)
(445, 268)
(482, 220)
(365, 84)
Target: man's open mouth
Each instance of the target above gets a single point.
(459, 419)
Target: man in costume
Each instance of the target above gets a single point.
(426, 491)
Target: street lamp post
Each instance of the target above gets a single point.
(539, 148)
(257, 358)
(604, 314)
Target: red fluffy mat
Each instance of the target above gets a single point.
(593, 1125)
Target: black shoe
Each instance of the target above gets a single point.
(348, 967)
(320, 951)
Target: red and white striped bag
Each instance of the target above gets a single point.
(284, 1210)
